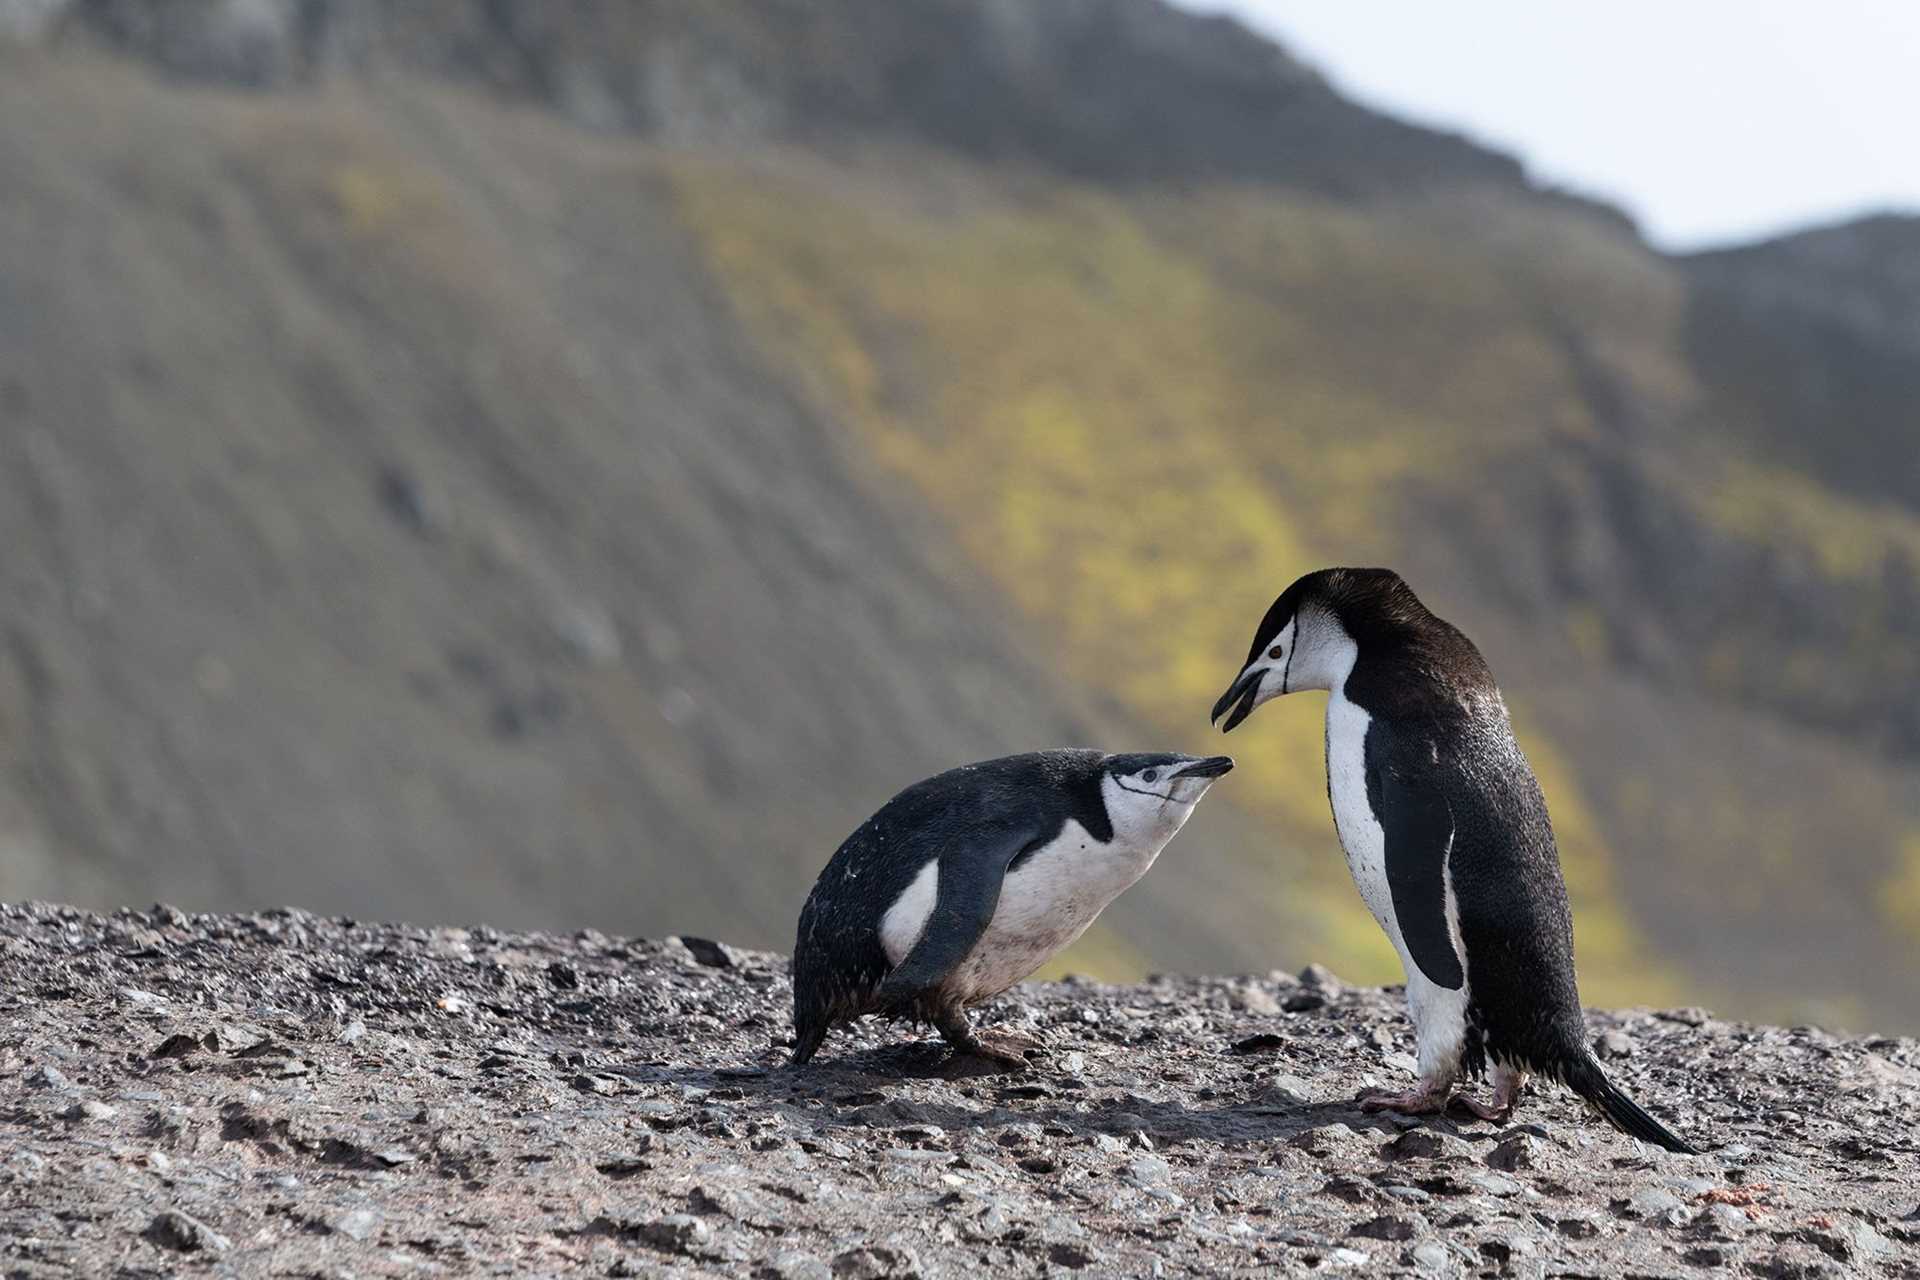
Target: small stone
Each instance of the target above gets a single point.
(676, 1233)
(587, 1082)
(1724, 1220)
(1578, 1227)
(1348, 1257)
(713, 955)
(352, 1031)
(1148, 1171)
(1692, 1016)
(1423, 1144)
(1325, 1140)
(1648, 1203)
(1521, 1151)
(1284, 1093)
(393, 1157)
(1259, 1002)
(1504, 1249)
(1074, 1064)
(48, 1076)
(357, 1224)
(1862, 1240)
(1493, 1184)
(1074, 1257)
(914, 1155)
(89, 1109)
(176, 1230)
(1388, 1226)
(1429, 1257)
(875, 1262)
(1319, 977)
(1303, 1002)
(1352, 1190)
(1614, 1044)
(175, 1046)
(793, 1265)
(1403, 1062)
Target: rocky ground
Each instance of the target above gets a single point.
(287, 1095)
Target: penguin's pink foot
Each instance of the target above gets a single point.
(1492, 1112)
(1508, 1082)
(1014, 1042)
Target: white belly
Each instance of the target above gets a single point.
(1045, 904)
(1360, 834)
(1439, 1013)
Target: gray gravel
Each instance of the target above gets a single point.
(286, 1095)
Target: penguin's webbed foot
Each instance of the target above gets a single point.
(1014, 1042)
(973, 1055)
(1508, 1082)
(1421, 1100)
(1492, 1112)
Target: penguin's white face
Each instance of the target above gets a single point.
(1312, 651)
(1148, 797)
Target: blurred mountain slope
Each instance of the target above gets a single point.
(1143, 414)
(574, 517)
(366, 556)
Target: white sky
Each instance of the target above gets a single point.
(1708, 120)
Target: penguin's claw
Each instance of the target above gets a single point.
(1418, 1101)
(1014, 1042)
(1494, 1112)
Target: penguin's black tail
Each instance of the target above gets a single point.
(806, 1041)
(1584, 1076)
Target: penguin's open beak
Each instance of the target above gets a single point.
(1211, 767)
(1243, 691)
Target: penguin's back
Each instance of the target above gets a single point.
(838, 955)
(1516, 927)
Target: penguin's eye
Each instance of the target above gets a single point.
(1276, 653)
(1151, 775)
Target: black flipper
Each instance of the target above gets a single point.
(1584, 1076)
(1405, 791)
(969, 889)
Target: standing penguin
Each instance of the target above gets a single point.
(966, 883)
(1447, 837)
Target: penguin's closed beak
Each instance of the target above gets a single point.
(1243, 691)
(1211, 767)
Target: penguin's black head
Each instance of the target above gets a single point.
(1311, 636)
(1162, 778)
